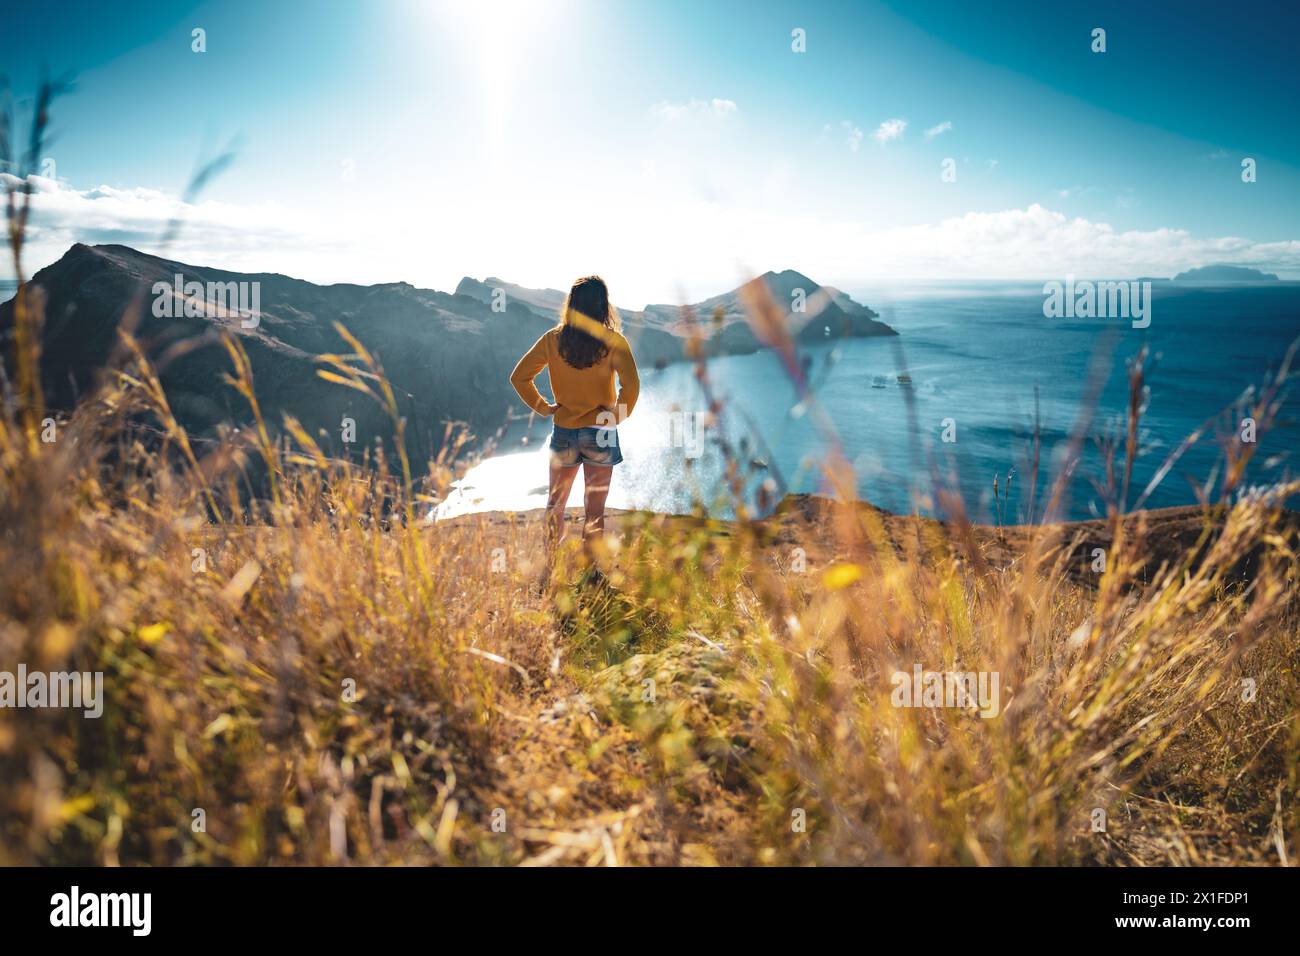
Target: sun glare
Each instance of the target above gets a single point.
(499, 35)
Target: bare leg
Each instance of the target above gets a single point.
(562, 477)
(595, 479)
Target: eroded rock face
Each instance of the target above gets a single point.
(448, 356)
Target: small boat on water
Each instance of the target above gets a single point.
(904, 379)
(879, 381)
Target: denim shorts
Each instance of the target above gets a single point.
(597, 446)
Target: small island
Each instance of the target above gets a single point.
(1222, 273)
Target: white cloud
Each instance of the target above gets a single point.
(682, 249)
(1036, 242)
(211, 233)
(890, 129)
(934, 131)
(705, 109)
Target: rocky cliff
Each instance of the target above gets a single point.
(448, 355)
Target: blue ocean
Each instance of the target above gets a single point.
(988, 371)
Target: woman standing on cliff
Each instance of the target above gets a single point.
(583, 353)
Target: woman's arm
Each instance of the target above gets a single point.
(529, 367)
(629, 383)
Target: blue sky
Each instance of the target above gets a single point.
(673, 146)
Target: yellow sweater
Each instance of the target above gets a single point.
(581, 394)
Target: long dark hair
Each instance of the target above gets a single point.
(586, 307)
